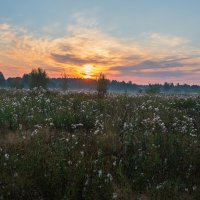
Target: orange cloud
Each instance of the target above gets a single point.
(84, 44)
(4, 26)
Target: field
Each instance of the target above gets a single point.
(56, 145)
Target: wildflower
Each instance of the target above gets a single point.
(158, 187)
(136, 167)
(20, 126)
(69, 162)
(194, 187)
(109, 176)
(95, 132)
(15, 174)
(114, 196)
(82, 153)
(6, 156)
(74, 126)
(100, 173)
(87, 181)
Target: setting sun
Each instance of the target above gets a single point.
(87, 71)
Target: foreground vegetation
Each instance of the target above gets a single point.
(56, 145)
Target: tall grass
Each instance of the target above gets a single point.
(57, 145)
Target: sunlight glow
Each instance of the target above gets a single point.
(87, 70)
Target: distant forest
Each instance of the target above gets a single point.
(90, 85)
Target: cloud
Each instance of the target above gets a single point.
(150, 64)
(75, 60)
(163, 70)
(166, 40)
(156, 56)
(4, 26)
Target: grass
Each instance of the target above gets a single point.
(57, 145)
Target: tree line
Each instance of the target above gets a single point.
(39, 78)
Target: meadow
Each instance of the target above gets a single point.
(56, 145)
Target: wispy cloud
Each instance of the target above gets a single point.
(157, 56)
(161, 39)
(4, 26)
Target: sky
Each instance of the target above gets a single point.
(143, 41)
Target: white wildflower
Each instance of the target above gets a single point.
(114, 196)
(100, 173)
(6, 156)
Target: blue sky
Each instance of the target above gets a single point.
(150, 26)
(127, 17)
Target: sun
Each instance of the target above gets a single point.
(87, 70)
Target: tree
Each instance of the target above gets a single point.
(2, 80)
(16, 83)
(166, 87)
(153, 89)
(26, 80)
(64, 82)
(39, 78)
(102, 85)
